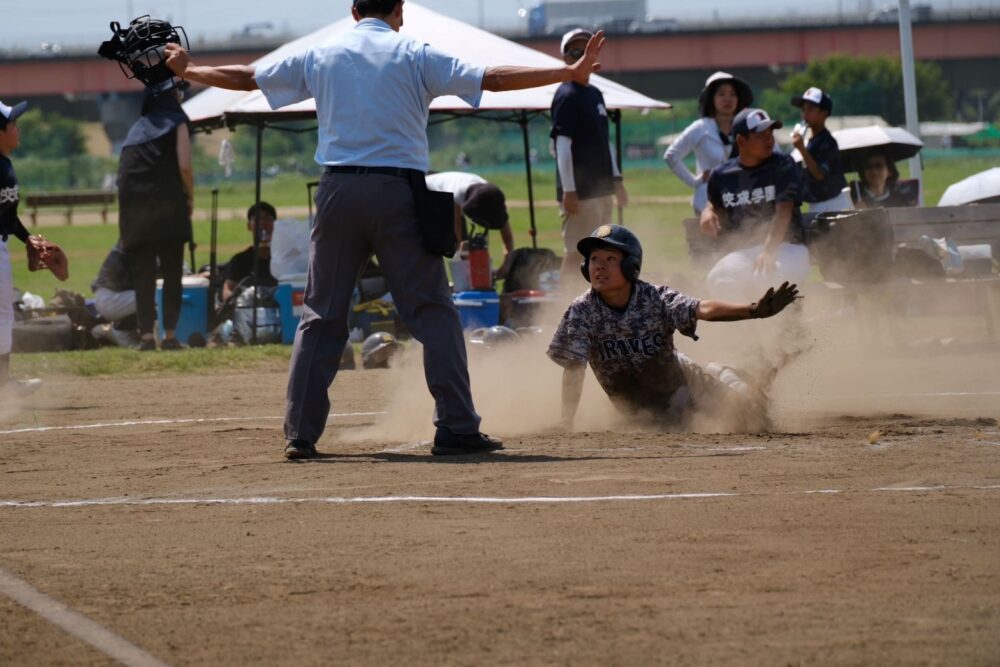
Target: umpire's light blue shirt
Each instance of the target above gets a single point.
(373, 88)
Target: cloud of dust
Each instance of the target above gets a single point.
(11, 405)
(515, 386)
(827, 355)
(834, 355)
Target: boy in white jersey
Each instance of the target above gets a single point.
(623, 327)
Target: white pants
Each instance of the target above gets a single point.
(114, 306)
(6, 301)
(733, 277)
(841, 202)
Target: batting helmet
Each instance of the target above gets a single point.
(489, 337)
(138, 49)
(619, 238)
(378, 349)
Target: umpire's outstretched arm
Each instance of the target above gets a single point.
(496, 79)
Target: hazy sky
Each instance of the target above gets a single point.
(76, 23)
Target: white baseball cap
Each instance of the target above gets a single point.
(11, 113)
(816, 96)
(571, 35)
(753, 120)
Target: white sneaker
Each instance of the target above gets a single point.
(21, 387)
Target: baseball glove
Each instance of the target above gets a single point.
(773, 302)
(44, 254)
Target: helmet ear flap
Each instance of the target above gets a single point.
(585, 269)
(630, 267)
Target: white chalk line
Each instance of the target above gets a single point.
(471, 500)
(107, 642)
(171, 422)
(930, 394)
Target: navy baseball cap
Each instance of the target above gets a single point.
(9, 114)
(753, 120)
(817, 97)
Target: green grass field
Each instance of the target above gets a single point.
(658, 224)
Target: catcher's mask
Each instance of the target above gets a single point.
(138, 50)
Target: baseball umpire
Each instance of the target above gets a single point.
(373, 88)
(623, 328)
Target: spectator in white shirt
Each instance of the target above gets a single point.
(723, 97)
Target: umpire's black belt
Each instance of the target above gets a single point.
(381, 171)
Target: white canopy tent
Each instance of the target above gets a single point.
(220, 107)
(216, 108)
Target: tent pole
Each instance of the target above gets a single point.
(256, 229)
(527, 163)
(213, 266)
(616, 116)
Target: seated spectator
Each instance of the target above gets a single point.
(240, 267)
(114, 299)
(879, 185)
(753, 214)
(239, 273)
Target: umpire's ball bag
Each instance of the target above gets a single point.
(853, 246)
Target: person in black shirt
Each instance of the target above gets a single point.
(587, 174)
(155, 200)
(753, 211)
(823, 173)
(240, 266)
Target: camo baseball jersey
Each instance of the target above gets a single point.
(631, 353)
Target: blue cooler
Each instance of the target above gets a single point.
(289, 297)
(478, 308)
(193, 317)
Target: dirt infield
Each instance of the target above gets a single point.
(864, 530)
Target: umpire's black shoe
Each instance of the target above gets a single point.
(447, 443)
(299, 449)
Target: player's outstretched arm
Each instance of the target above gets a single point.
(572, 388)
(230, 77)
(773, 302)
(512, 77)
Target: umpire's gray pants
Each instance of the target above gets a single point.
(357, 215)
